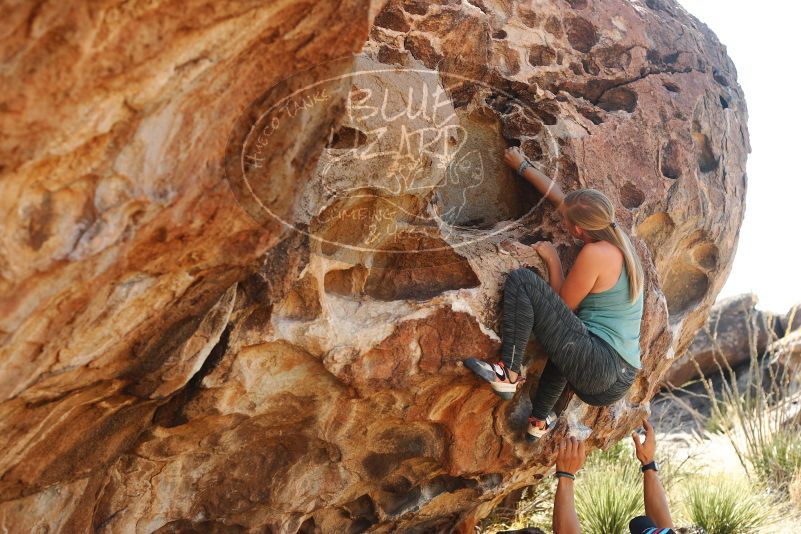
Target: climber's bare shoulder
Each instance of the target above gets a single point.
(591, 272)
(601, 250)
(607, 260)
(582, 276)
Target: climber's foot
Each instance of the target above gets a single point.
(497, 374)
(538, 428)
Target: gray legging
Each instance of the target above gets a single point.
(595, 371)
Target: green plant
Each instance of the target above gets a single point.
(609, 490)
(726, 506)
(763, 427)
(727, 411)
(777, 459)
(618, 453)
(607, 499)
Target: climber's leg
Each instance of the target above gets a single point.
(550, 388)
(584, 360)
(516, 324)
(517, 320)
(614, 368)
(608, 370)
(531, 305)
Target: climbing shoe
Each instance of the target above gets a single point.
(537, 429)
(497, 375)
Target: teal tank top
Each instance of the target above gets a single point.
(611, 316)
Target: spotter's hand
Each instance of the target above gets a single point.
(645, 450)
(571, 455)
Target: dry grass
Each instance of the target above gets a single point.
(794, 491)
(727, 506)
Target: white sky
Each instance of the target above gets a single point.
(764, 40)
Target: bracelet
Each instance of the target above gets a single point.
(565, 474)
(652, 465)
(522, 166)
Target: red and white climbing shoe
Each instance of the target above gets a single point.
(497, 374)
(537, 428)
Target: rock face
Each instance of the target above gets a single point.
(239, 272)
(734, 333)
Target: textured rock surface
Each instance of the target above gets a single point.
(121, 238)
(734, 333)
(174, 362)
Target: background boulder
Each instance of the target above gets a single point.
(734, 333)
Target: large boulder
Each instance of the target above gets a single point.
(734, 333)
(240, 267)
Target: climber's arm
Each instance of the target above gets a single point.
(547, 187)
(569, 459)
(582, 277)
(550, 258)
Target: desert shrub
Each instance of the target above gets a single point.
(609, 490)
(618, 453)
(776, 459)
(726, 506)
(607, 499)
(727, 411)
(764, 429)
(600, 503)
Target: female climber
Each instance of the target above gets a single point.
(596, 349)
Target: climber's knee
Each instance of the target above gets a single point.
(524, 281)
(514, 282)
(517, 276)
(533, 282)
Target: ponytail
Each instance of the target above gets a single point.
(592, 211)
(633, 265)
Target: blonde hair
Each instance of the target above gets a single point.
(592, 211)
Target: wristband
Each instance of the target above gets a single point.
(649, 466)
(565, 474)
(522, 167)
